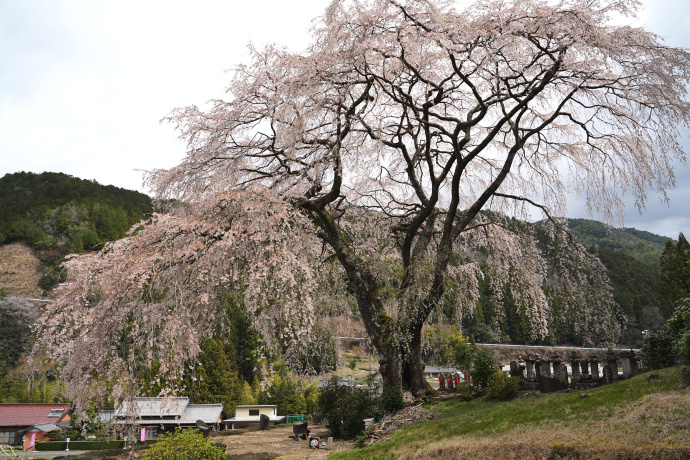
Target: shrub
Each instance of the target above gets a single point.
(682, 347)
(464, 391)
(657, 350)
(483, 370)
(78, 445)
(184, 445)
(679, 329)
(288, 392)
(391, 400)
(345, 409)
(504, 388)
(684, 377)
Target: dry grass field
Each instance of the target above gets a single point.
(19, 270)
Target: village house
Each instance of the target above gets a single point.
(157, 415)
(26, 424)
(431, 372)
(251, 415)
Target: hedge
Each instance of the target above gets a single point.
(85, 445)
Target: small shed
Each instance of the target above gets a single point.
(251, 415)
(37, 433)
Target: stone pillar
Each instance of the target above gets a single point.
(612, 363)
(451, 383)
(634, 368)
(516, 370)
(529, 364)
(627, 368)
(545, 367)
(594, 366)
(584, 367)
(575, 366)
(537, 367)
(560, 371)
(441, 383)
(556, 367)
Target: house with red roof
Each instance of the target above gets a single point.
(18, 422)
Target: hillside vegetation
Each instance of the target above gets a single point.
(57, 214)
(632, 258)
(16, 318)
(53, 214)
(643, 246)
(643, 417)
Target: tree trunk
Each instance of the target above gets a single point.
(413, 379)
(390, 368)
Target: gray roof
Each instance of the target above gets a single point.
(208, 413)
(276, 419)
(152, 407)
(190, 413)
(257, 406)
(106, 415)
(43, 427)
(445, 370)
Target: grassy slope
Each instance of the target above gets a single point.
(630, 419)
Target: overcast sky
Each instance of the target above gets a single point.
(85, 83)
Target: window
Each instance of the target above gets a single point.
(151, 433)
(7, 437)
(253, 411)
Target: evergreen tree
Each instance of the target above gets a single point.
(246, 394)
(240, 334)
(216, 376)
(675, 274)
(286, 392)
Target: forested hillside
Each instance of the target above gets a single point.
(638, 244)
(636, 289)
(57, 214)
(26, 194)
(632, 258)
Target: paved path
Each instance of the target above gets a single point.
(41, 455)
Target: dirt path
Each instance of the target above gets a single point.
(277, 443)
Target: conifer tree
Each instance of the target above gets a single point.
(675, 274)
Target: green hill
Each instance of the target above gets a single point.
(26, 195)
(636, 289)
(57, 214)
(639, 244)
(631, 257)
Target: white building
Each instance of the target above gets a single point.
(251, 415)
